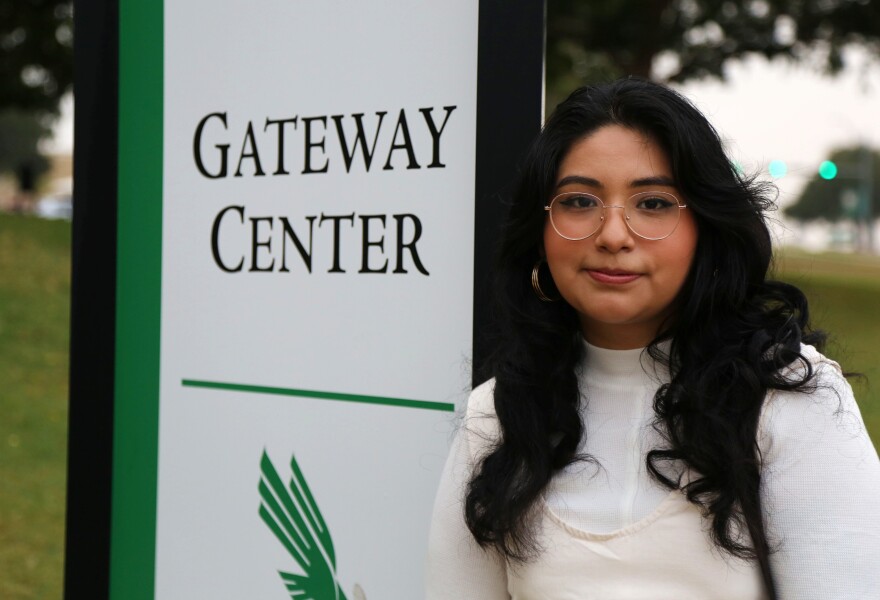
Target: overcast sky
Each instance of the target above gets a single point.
(768, 111)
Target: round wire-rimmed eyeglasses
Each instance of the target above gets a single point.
(650, 215)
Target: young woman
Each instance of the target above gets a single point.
(660, 424)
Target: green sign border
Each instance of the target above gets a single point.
(138, 300)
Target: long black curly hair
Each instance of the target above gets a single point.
(733, 332)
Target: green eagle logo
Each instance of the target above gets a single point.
(293, 516)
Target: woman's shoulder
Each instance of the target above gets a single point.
(820, 480)
(480, 423)
(824, 386)
(823, 381)
(819, 364)
(481, 401)
(821, 413)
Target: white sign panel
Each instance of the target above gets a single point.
(317, 267)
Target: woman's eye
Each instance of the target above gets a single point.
(579, 202)
(653, 203)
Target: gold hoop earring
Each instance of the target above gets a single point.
(536, 284)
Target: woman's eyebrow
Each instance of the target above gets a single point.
(579, 179)
(661, 180)
(655, 180)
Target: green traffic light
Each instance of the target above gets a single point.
(777, 168)
(827, 170)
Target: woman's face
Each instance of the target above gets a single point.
(622, 286)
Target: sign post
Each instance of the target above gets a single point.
(305, 200)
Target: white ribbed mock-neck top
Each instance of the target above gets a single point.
(609, 531)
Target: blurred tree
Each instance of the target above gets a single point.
(854, 193)
(20, 133)
(36, 70)
(594, 40)
(36, 53)
(19, 136)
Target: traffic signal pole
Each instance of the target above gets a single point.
(867, 192)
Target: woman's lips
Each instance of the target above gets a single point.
(612, 276)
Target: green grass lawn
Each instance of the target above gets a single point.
(34, 299)
(34, 306)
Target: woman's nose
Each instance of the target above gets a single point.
(614, 234)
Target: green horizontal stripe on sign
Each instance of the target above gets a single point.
(263, 389)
